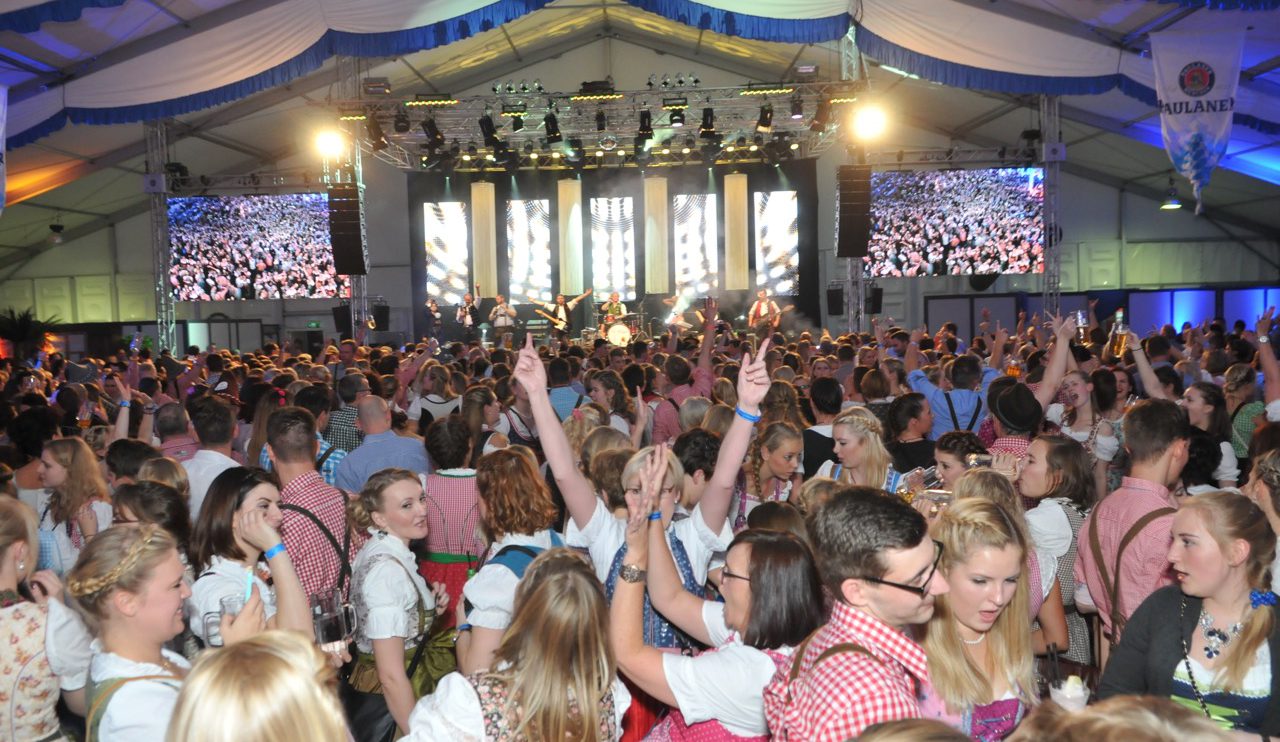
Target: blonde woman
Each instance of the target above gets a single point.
(166, 471)
(432, 392)
(1219, 655)
(723, 392)
(128, 586)
(79, 506)
(554, 675)
(46, 653)
(276, 687)
(770, 473)
(861, 457)
(584, 419)
(1240, 385)
(978, 643)
(718, 418)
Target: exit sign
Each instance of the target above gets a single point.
(313, 325)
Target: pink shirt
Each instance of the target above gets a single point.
(1145, 568)
(666, 419)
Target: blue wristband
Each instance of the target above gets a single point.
(464, 627)
(124, 404)
(746, 415)
(655, 515)
(274, 550)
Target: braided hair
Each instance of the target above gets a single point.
(121, 558)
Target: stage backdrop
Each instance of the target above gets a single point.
(614, 247)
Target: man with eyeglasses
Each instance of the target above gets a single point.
(342, 432)
(875, 555)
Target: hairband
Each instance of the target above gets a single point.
(577, 413)
(1261, 597)
(81, 588)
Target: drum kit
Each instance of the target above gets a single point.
(621, 330)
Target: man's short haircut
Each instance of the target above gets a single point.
(678, 370)
(1151, 426)
(372, 410)
(827, 395)
(314, 399)
(616, 353)
(127, 455)
(291, 433)
(1157, 345)
(845, 352)
(558, 372)
(171, 420)
(854, 527)
(966, 372)
(214, 421)
(350, 386)
(697, 450)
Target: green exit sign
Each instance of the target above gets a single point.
(313, 325)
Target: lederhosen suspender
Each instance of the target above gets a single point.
(955, 422)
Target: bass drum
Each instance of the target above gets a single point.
(619, 334)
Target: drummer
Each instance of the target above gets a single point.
(611, 311)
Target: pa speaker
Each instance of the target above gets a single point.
(983, 282)
(874, 302)
(342, 319)
(835, 300)
(346, 229)
(853, 210)
(381, 317)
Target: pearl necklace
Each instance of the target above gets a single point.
(981, 638)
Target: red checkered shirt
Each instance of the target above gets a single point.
(666, 417)
(849, 691)
(453, 513)
(1009, 444)
(313, 556)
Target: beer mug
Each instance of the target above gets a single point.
(230, 607)
(1013, 367)
(1082, 325)
(333, 620)
(978, 460)
(1119, 339)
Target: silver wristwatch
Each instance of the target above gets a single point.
(631, 573)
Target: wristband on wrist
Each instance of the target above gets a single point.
(275, 550)
(124, 404)
(655, 515)
(746, 415)
(150, 409)
(464, 627)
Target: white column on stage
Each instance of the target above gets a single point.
(657, 239)
(484, 237)
(569, 222)
(736, 196)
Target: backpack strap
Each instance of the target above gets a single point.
(344, 572)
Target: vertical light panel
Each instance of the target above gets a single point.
(777, 242)
(735, 232)
(569, 202)
(529, 249)
(657, 265)
(484, 237)
(697, 238)
(613, 247)
(447, 246)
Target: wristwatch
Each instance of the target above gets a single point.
(631, 573)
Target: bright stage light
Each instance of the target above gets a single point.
(331, 144)
(870, 122)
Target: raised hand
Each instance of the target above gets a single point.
(253, 528)
(1263, 326)
(248, 623)
(529, 370)
(642, 410)
(753, 379)
(49, 584)
(1002, 335)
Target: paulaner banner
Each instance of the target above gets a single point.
(1196, 78)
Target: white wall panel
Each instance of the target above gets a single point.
(94, 300)
(54, 299)
(17, 294)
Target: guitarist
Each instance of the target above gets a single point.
(558, 312)
(765, 316)
(468, 316)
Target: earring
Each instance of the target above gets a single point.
(22, 566)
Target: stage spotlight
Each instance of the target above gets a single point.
(764, 124)
(524, 86)
(552, 127)
(434, 137)
(599, 153)
(646, 127)
(455, 148)
(608, 142)
(797, 108)
(575, 149)
(821, 116)
(869, 122)
(517, 123)
(677, 119)
(708, 128)
(488, 131)
(377, 139)
(331, 144)
(601, 121)
(401, 122)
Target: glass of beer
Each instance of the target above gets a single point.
(1082, 325)
(1119, 339)
(1012, 367)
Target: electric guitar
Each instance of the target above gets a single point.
(559, 324)
(771, 322)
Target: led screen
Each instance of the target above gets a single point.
(529, 250)
(613, 248)
(448, 249)
(224, 248)
(956, 222)
(697, 239)
(777, 242)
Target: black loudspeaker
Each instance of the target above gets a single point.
(983, 282)
(835, 300)
(342, 319)
(874, 300)
(853, 210)
(381, 317)
(346, 229)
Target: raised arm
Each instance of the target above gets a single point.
(579, 498)
(1063, 330)
(1267, 358)
(753, 384)
(1150, 383)
(996, 360)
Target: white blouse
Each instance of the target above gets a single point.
(492, 590)
(1105, 447)
(726, 684)
(452, 713)
(65, 552)
(619, 423)
(435, 405)
(67, 646)
(225, 578)
(139, 710)
(1228, 468)
(387, 590)
(605, 533)
(1049, 528)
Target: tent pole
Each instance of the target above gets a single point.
(158, 188)
(1052, 154)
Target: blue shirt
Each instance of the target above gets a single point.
(381, 451)
(965, 401)
(564, 400)
(328, 470)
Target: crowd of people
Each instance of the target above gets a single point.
(890, 535)
(956, 222)
(251, 247)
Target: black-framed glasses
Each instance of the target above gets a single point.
(725, 574)
(923, 589)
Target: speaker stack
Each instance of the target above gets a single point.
(346, 229)
(853, 210)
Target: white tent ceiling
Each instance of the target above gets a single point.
(243, 80)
